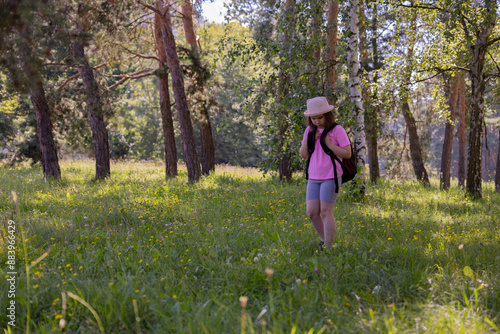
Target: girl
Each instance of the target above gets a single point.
(321, 195)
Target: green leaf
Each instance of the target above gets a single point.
(468, 272)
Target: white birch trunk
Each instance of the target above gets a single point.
(355, 93)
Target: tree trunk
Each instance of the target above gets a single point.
(187, 22)
(331, 48)
(95, 112)
(497, 174)
(284, 151)
(411, 125)
(373, 110)
(355, 94)
(188, 142)
(477, 79)
(48, 149)
(415, 149)
(165, 109)
(50, 161)
(444, 181)
(370, 107)
(206, 133)
(461, 131)
(317, 19)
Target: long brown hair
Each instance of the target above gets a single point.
(329, 120)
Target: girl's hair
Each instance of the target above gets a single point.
(329, 120)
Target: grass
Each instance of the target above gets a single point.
(138, 253)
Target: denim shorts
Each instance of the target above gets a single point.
(324, 190)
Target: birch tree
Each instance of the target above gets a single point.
(355, 94)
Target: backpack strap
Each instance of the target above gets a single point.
(310, 149)
(330, 153)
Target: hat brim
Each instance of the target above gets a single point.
(320, 112)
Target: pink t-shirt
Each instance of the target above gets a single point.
(320, 166)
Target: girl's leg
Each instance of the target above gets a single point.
(314, 213)
(329, 222)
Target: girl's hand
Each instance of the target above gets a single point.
(318, 135)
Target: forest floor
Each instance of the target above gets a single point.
(236, 253)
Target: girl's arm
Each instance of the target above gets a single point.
(341, 152)
(304, 153)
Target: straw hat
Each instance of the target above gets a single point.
(317, 106)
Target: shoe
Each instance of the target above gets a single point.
(321, 245)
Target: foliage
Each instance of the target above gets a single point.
(8, 104)
(184, 254)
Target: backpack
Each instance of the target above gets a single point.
(348, 165)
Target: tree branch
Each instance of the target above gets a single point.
(154, 9)
(438, 72)
(135, 75)
(493, 41)
(73, 77)
(420, 7)
(137, 54)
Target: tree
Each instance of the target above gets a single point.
(165, 109)
(479, 49)
(355, 94)
(284, 154)
(188, 142)
(497, 175)
(331, 46)
(24, 17)
(370, 97)
(206, 134)
(94, 104)
(415, 148)
(461, 130)
(444, 179)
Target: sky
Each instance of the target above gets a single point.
(214, 12)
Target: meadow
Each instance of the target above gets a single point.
(236, 253)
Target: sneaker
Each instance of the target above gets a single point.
(321, 245)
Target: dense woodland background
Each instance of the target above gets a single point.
(414, 82)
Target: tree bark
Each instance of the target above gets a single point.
(165, 109)
(461, 131)
(48, 148)
(497, 174)
(317, 19)
(188, 24)
(477, 78)
(415, 148)
(331, 48)
(373, 111)
(204, 124)
(94, 110)
(50, 161)
(284, 150)
(369, 96)
(445, 175)
(355, 95)
(188, 142)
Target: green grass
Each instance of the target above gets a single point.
(150, 255)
